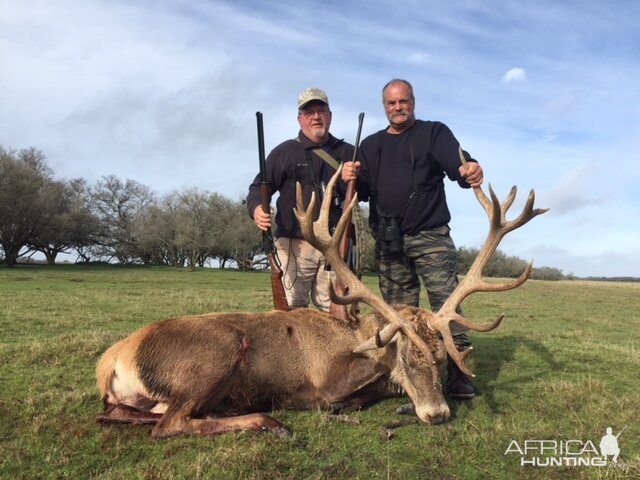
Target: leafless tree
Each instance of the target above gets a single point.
(24, 179)
(67, 222)
(119, 204)
(156, 232)
(239, 241)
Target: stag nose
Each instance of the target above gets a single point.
(434, 415)
(439, 420)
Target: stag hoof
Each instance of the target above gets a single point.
(282, 432)
(406, 409)
(458, 384)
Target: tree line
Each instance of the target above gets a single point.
(123, 221)
(117, 220)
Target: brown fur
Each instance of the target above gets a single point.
(221, 364)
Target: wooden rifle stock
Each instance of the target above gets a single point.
(340, 311)
(277, 288)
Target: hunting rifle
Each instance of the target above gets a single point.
(340, 311)
(277, 289)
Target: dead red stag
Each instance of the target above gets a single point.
(214, 373)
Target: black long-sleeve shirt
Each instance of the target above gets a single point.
(294, 161)
(403, 174)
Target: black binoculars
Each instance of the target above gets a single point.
(389, 234)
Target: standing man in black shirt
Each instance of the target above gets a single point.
(401, 175)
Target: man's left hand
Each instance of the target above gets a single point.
(472, 174)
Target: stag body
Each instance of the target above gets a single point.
(182, 371)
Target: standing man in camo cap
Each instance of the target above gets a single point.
(310, 158)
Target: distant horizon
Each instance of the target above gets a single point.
(39, 260)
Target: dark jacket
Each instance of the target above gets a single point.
(294, 161)
(403, 175)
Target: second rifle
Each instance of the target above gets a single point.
(340, 311)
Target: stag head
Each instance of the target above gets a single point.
(428, 332)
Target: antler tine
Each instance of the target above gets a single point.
(473, 282)
(508, 202)
(317, 234)
(458, 357)
(325, 210)
(305, 216)
(482, 198)
(528, 212)
(496, 214)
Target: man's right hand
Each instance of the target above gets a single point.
(350, 171)
(261, 219)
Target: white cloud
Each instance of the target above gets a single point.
(514, 75)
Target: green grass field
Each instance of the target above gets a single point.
(562, 366)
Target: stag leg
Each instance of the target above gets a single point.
(178, 421)
(356, 374)
(125, 414)
(370, 394)
(216, 426)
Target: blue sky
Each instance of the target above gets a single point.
(545, 94)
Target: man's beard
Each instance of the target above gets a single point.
(318, 132)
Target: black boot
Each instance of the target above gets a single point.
(458, 384)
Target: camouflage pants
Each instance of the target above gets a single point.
(431, 256)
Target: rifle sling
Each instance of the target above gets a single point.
(332, 162)
(326, 157)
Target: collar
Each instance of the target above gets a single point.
(408, 129)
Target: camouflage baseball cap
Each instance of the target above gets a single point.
(311, 94)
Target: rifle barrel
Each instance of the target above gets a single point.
(261, 155)
(360, 122)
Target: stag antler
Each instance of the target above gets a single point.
(472, 282)
(318, 235)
